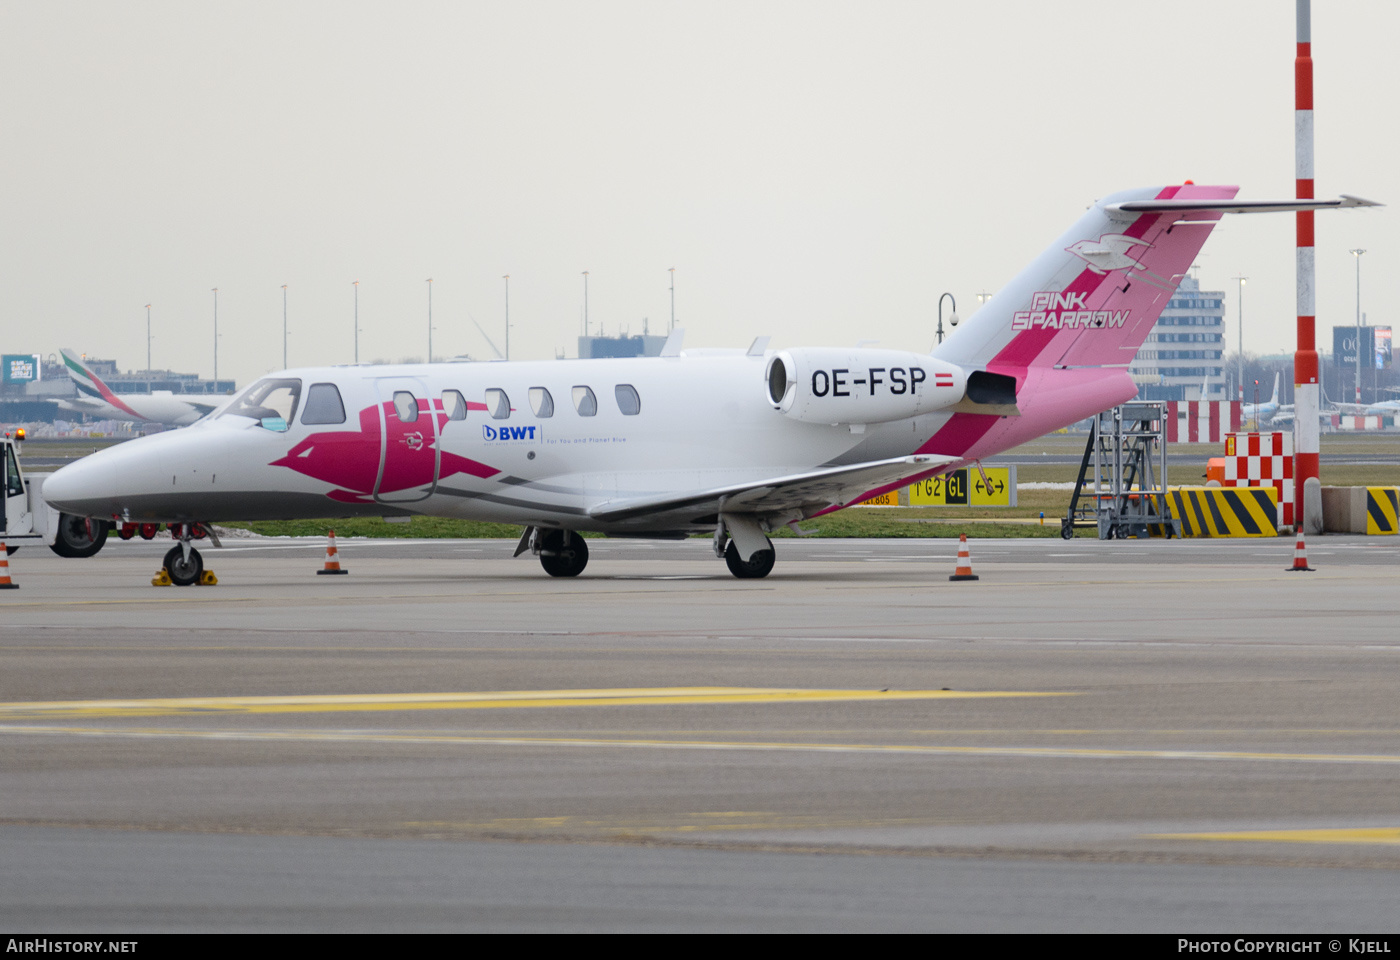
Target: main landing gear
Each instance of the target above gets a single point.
(562, 553)
(755, 568)
(760, 561)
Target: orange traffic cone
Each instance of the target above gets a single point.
(964, 568)
(5, 582)
(1300, 556)
(332, 557)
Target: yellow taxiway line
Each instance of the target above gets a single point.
(1384, 835)
(343, 703)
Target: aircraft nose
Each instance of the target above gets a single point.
(78, 488)
(102, 483)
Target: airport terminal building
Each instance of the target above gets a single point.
(1186, 346)
(31, 380)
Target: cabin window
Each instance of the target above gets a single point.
(541, 402)
(454, 405)
(272, 402)
(497, 404)
(585, 402)
(627, 400)
(406, 406)
(323, 405)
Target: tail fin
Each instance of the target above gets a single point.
(1092, 297)
(1274, 399)
(90, 385)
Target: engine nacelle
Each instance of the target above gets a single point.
(857, 385)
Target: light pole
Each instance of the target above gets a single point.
(1357, 254)
(148, 348)
(673, 300)
(506, 278)
(284, 326)
(1239, 361)
(216, 339)
(356, 285)
(952, 320)
(585, 303)
(430, 319)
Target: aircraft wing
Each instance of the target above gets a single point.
(80, 404)
(816, 489)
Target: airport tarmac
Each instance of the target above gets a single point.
(1168, 736)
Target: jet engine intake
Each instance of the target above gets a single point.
(858, 385)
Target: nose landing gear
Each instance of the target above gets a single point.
(183, 565)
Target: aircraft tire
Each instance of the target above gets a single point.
(79, 537)
(563, 553)
(182, 573)
(754, 569)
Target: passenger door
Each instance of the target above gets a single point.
(409, 459)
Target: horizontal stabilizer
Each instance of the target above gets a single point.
(816, 489)
(1236, 206)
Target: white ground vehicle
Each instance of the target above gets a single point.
(29, 520)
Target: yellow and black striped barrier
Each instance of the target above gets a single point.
(1225, 511)
(1368, 510)
(1382, 510)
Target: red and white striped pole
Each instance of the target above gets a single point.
(1306, 398)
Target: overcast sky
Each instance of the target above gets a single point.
(816, 171)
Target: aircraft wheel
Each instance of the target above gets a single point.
(754, 569)
(1066, 530)
(563, 553)
(79, 536)
(183, 573)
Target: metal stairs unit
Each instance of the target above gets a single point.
(1122, 486)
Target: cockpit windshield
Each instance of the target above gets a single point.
(272, 402)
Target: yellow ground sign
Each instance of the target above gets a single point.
(966, 488)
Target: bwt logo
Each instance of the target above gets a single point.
(509, 433)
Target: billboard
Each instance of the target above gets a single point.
(1375, 346)
(21, 367)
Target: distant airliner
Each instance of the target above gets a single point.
(1262, 413)
(96, 399)
(732, 443)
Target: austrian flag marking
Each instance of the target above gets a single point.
(942, 379)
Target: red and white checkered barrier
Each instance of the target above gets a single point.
(1262, 460)
(1201, 421)
(1358, 423)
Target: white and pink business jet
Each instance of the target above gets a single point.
(730, 442)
